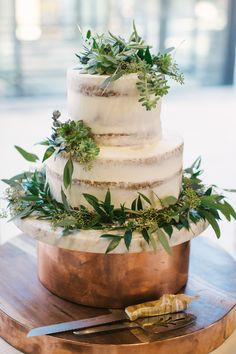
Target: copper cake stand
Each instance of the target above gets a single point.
(25, 304)
(112, 280)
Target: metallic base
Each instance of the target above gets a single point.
(112, 280)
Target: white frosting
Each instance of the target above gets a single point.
(114, 115)
(90, 241)
(125, 171)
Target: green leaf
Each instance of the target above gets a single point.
(152, 240)
(92, 200)
(115, 240)
(67, 174)
(168, 229)
(44, 142)
(148, 57)
(67, 222)
(128, 238)
(11, 182)
(108, 198)
(113, 244)
(231, 209)
(31, 198)
(168, 50)
(166, 202)
(66, 232)
(212, 221)
(139, 203)
(145, 235)
(209, 191)
(50, 150)
(64, 201)
(208, 201)
(134, 205)
(107, 203)
(145, 198)
(224, 210)
(164, 241)
(135, 32)
(88, 34)
(27, 155)
(27, 211)
(195, 166)
(110, 236)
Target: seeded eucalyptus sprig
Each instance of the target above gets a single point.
(73, 138)
(114, 56)
(28, 193)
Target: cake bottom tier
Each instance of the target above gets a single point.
(112, 280)
(154, 170)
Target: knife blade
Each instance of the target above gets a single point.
(168, 303)
(114, 316)
(153, 325)
(106, 328)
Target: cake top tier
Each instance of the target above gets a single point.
(115, 116)
(117, 88)
(107, 54)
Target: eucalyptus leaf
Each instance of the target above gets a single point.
(166, 202)
(27, 155)
(64, 201)
(146, 235)
(128, 238)
(168, 229)
(231, 209)
(11, 182)
(48, 153)
(67, 173)
(113, 244)
(212, 221)
(26, 212)
(164, 241)
(145, 198)
(152, 240)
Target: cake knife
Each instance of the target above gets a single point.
(148, 309)
(154, 325)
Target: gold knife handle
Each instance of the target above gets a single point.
(168, 303)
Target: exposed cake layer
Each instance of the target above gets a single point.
(152, 169)
(114, 113)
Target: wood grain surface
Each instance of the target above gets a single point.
(25, 303)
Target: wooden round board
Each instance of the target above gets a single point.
(25, 304)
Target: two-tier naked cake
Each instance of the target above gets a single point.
(113, 211)
(135, 155)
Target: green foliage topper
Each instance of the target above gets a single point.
(29, 193)
(114, 56)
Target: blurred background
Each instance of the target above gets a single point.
(39, 39)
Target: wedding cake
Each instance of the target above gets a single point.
(112, 208)
(135, 155)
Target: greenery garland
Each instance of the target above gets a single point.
(29, 193)
(114, 56)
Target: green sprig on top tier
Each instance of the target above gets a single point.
(114, 56)
(29, 193)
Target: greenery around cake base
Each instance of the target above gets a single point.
(29, 194)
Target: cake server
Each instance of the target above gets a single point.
(166, 304)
